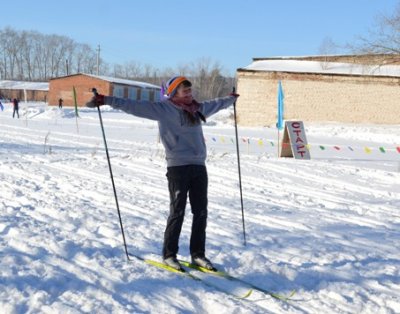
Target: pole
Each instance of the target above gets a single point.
(112, 177)
(278, 143)
(238, 162)
(98, 59)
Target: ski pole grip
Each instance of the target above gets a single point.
(94, 91)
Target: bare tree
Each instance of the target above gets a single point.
(208, 79)
(29, 55)
(327, 48)
(8, 40)
(383, 38)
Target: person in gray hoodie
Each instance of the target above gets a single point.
(179, 119)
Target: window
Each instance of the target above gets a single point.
(132, 93)
(145, 95)
(118, 91)
(157, 95)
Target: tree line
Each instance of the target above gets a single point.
(33, 56)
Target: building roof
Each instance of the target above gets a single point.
(115, 80)
(322, 67)
(124, 81)
(43, 86)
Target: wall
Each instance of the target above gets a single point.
(316, 97)
(31, 95)
(63, 88)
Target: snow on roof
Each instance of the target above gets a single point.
(44, 86)
(322, 67)
(124, 81)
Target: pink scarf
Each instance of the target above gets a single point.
(191, 108)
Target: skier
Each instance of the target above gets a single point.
(179, 119)
(16, 107)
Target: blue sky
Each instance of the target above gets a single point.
(172, 33)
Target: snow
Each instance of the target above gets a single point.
(302, 66)
(327, 228)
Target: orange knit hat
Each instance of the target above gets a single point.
(173, 84)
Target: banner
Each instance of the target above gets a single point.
(281, 96)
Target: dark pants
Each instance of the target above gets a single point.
(15, 111)
(182, 180)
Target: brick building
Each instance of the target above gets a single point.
(62, 87)
(24, 91)
(347, 89)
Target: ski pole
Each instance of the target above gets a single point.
(111, 175)
(238, 162)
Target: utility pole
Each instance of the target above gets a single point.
(98, 59)
(67, 66)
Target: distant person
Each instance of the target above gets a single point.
(1, 106)
(16, 107)
(60, 103)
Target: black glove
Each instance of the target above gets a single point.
(96, 101)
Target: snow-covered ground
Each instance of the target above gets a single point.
(328, 228)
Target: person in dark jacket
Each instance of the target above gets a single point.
(16, 107)
(60, 103)
(179, 119)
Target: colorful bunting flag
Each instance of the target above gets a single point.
(261, 142)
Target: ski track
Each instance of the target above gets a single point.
(335, 243)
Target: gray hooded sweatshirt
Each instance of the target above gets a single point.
(183, 141)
